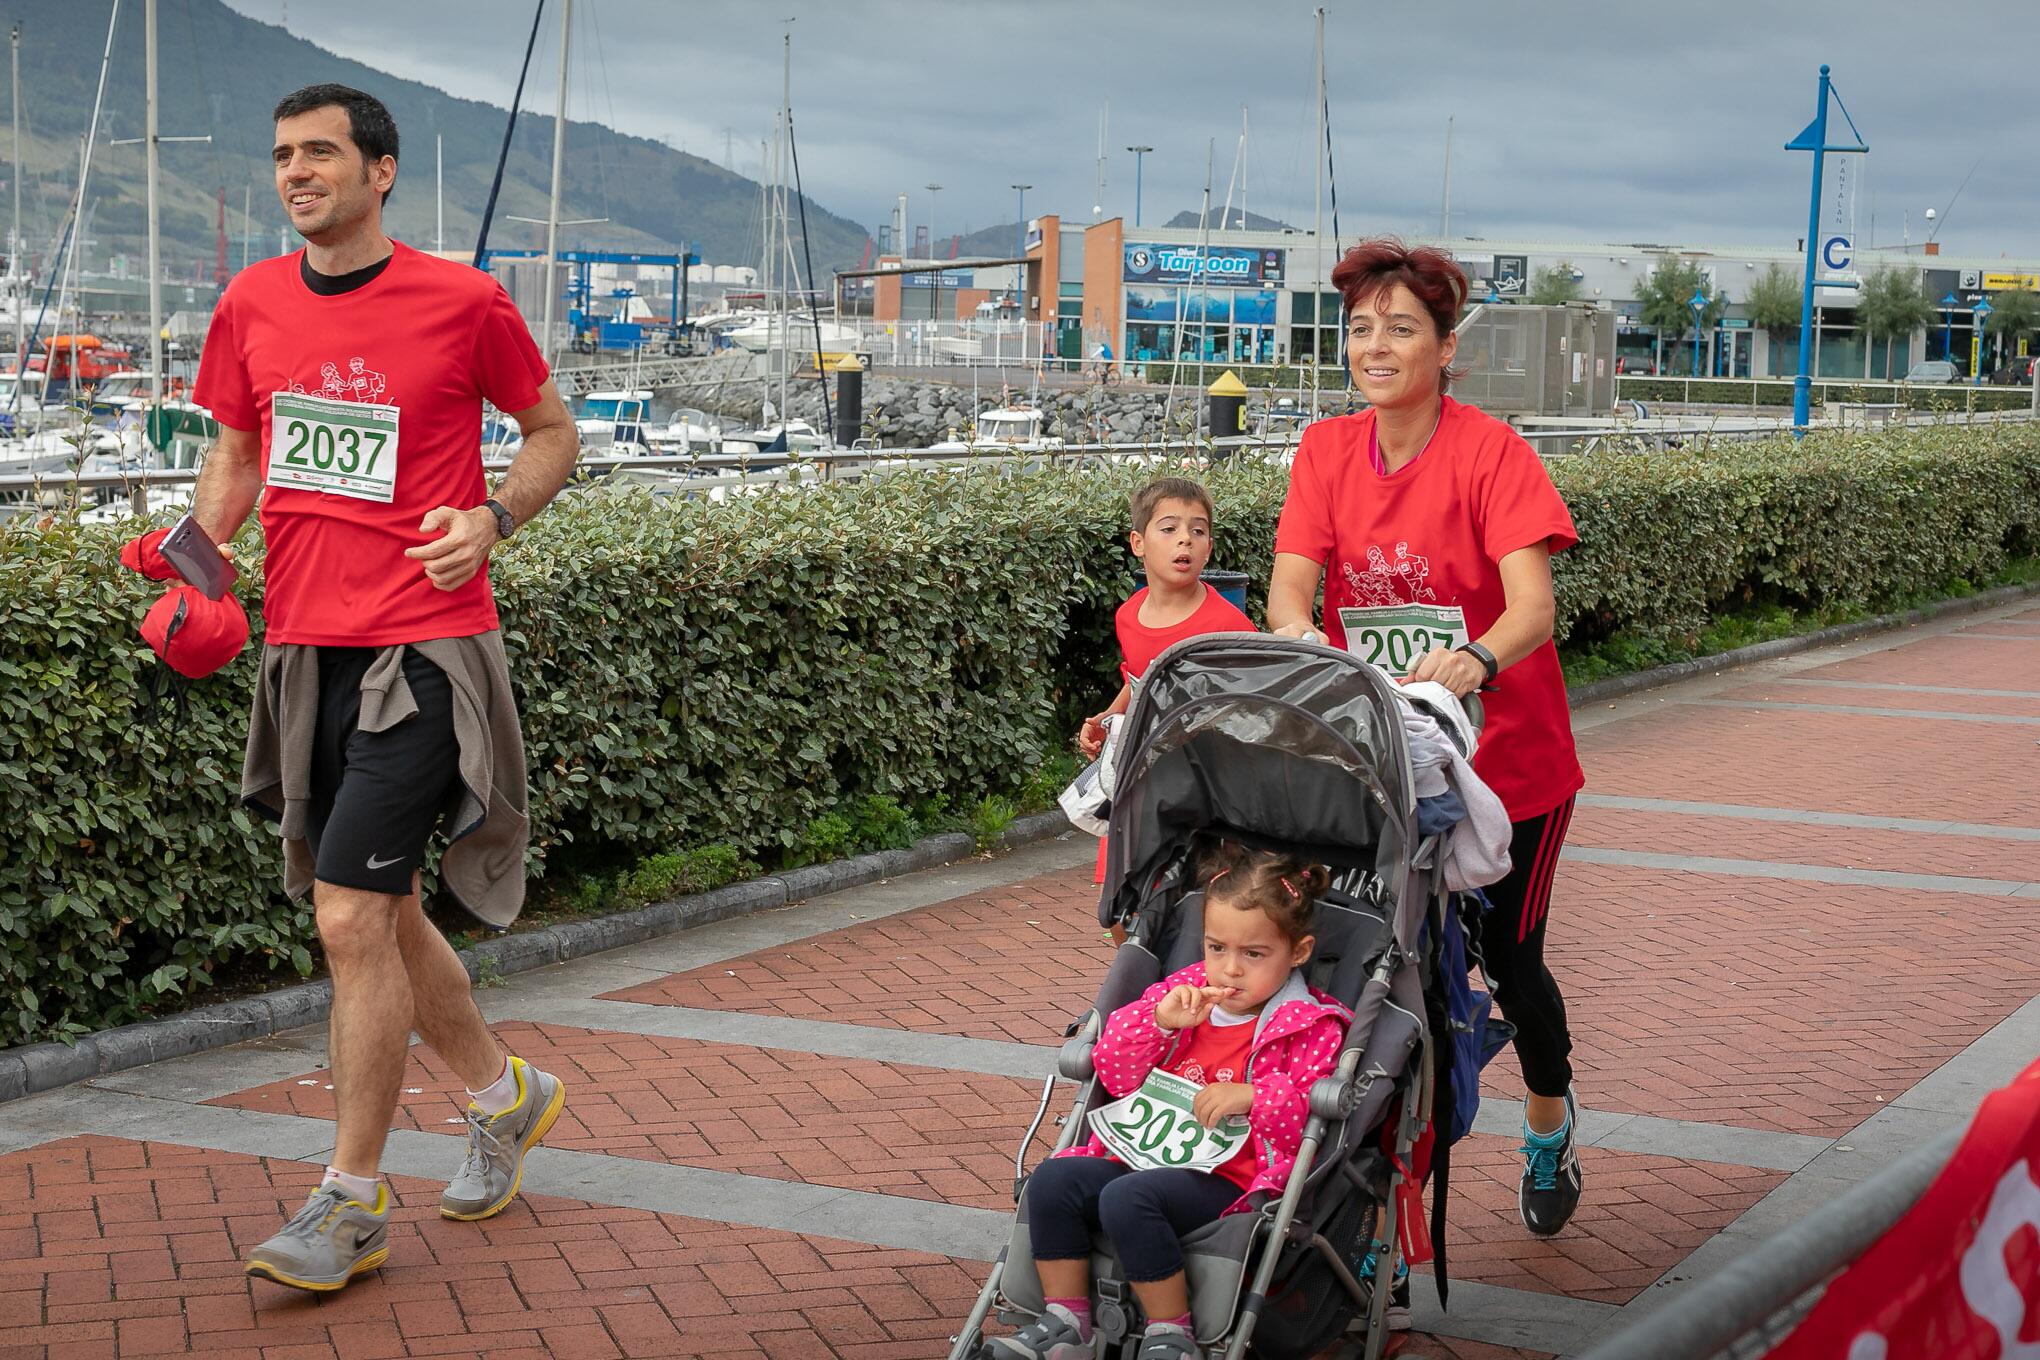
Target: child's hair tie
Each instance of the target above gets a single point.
(1217, 876)
(1286, 887)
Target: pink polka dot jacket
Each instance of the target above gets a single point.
(1296, 1041)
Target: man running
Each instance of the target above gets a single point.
(348, 381)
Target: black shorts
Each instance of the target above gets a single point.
(378, 796)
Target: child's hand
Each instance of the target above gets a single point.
(1092, 739)
(1220, 1099)
(1185, 1005)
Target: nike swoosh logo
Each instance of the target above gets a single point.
(375, 863)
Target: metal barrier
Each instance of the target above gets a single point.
(1756, 393)
(1752, 1303)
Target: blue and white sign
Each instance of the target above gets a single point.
(1226, 266)
(1837, 251)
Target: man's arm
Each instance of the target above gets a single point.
(229, 483)
(551, 447)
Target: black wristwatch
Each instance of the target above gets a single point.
(506, 525)
(1484, 656)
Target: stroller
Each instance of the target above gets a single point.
(1284, 745)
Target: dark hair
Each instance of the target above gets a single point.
(1149, 498)
(1434, 278)
(368, 118)
(1285, 888)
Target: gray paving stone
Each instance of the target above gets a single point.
(1938, 715)
(1806, 817)
(1508, 1317)
(1803, 873)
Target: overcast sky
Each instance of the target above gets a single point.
(1645, 121)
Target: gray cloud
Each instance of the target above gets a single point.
(1573, 120)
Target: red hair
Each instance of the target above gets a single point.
(1434, 278)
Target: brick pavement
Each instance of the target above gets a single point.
(921, 1132)
(122, 1249)
(1840, 847)
(1017, 966)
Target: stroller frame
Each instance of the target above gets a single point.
(1334, 1098)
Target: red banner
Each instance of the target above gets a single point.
(1958, 1278)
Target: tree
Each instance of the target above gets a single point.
(1891, 307)
(1554, 287)
(1665, 302)
(1773, 303)
(2012, 314)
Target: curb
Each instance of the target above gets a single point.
(33, 1068)
(1620, 686)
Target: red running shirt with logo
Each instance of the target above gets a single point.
(433, 338)
(1209, 1054)
(1434, 532)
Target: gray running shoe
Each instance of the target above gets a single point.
(1052, 1336)
(494, 1166)
(1169, 1344)
(329, 1241)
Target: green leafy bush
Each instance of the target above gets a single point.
(823, 669)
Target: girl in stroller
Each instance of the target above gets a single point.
(1250, 1036)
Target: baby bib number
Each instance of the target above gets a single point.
(1153, 1129)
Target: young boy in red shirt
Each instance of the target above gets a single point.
(1172, 538)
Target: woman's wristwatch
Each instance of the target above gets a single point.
(1486, 658)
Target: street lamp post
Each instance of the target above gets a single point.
(1948, 306)
(1977, 316)
(935, 311)
(1139, 157)
(1698, 302)
(1020, 233)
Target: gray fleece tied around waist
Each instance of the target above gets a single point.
(489, 827)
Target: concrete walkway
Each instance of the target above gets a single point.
(1797, 931)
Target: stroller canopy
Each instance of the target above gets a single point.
(1278, 742)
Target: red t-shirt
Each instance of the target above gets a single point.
(1139, 645)
(430, 337)
(1434, 532)
(1208, 1054)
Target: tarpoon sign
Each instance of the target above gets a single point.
(1225, 266)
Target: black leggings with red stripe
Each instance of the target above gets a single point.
(1512, 952)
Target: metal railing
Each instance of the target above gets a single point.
(1761, 393)
(1751, 1304)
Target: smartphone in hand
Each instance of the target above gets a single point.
(190, 549)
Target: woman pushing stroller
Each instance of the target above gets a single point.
(1249, 1036)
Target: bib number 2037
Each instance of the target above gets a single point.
(1394, 636)
(344, 448)
(1153, 1129)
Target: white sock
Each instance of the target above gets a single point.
(362, 1188)
(499, 1095)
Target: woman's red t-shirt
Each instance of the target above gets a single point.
(1434, 532)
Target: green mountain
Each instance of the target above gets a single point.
(222, 72)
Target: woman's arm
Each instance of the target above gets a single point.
(1525, 625)
(1292, 595)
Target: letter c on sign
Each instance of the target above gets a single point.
(1987, 1285)
(1836, 251)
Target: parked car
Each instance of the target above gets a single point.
(1933, 371)
(2016, 371)
(1635, 366)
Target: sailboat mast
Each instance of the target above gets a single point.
(559, 158)
(155, 229)
(1445, 213)
(14, 265)
(1317, 231)
(439, 194)
(785, 225)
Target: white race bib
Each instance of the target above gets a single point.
(346, 448)
(1154, 1130)
(1393, 636)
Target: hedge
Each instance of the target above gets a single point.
(726, 673)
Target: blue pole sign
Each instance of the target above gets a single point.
(1948, 306)
(1698, 302)
(1815, 139)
